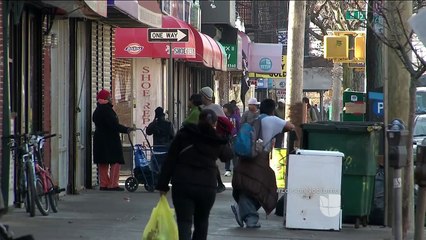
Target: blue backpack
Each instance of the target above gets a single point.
(247, 143)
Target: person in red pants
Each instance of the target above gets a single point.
(107, 148)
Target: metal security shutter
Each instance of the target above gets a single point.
(102, 45)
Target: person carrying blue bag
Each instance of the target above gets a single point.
(253, 182)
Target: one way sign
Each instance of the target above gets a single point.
(168, 35)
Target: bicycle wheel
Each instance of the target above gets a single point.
(41, 198)
(29, 198)
(53, 195)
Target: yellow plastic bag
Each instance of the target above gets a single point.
(162, 224)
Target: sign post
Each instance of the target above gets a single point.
(169, 35)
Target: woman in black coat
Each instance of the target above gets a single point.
(191, 166)
(107, 149)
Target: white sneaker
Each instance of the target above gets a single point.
(227, 174)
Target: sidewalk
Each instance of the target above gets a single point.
(95, 214)
(99, 215)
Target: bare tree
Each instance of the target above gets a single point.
(399, 39)
(329, 16)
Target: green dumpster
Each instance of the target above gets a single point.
(359, 141)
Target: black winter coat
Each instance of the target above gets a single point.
(162, 131)
(192, 156)
(106, 141)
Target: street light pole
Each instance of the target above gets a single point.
(170, 86)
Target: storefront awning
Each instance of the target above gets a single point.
(133, 42)
(80, 9)
(129, 13)
(245, 41)
(217, 54)
(203, 49)
(265, 58)
(224, 62)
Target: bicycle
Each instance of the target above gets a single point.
(34, 183)
(25, 175)
(47, 193)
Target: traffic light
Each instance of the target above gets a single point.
(336, 47)
(359, 48)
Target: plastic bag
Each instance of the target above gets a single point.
(162, 224)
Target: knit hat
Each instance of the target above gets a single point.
(103, 94)
(159, 112)
(207, 92)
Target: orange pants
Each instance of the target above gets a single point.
(109, 175)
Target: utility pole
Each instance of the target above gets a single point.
(295, 55)
(294, 82)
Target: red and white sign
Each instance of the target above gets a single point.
(134, 48)
(280, 93)
(133, 42)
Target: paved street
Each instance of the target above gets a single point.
(95, 214)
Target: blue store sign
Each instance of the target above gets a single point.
(265, 64)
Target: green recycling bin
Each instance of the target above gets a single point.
(359, 141)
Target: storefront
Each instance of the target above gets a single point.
(23, 93)
(79, 52)
(191, 62)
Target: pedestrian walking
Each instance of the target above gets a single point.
(224, 128)
(310, 111)
(162, 132)
(280, 112)
(191, 167)
(207, 99)
(253, 181)
(252, 113)
(107, 148)
(235, 119)
(236, 108)
(195, 103)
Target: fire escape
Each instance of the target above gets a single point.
(263, 19)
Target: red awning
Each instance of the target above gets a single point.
(203, 49)
(217, 54)
(133, 42)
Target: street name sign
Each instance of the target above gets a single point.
(355, 15)
(168, 35)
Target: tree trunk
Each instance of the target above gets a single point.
(399, 97)
(347, 78)
(337, 72)
(358, 80)
(223, 87)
